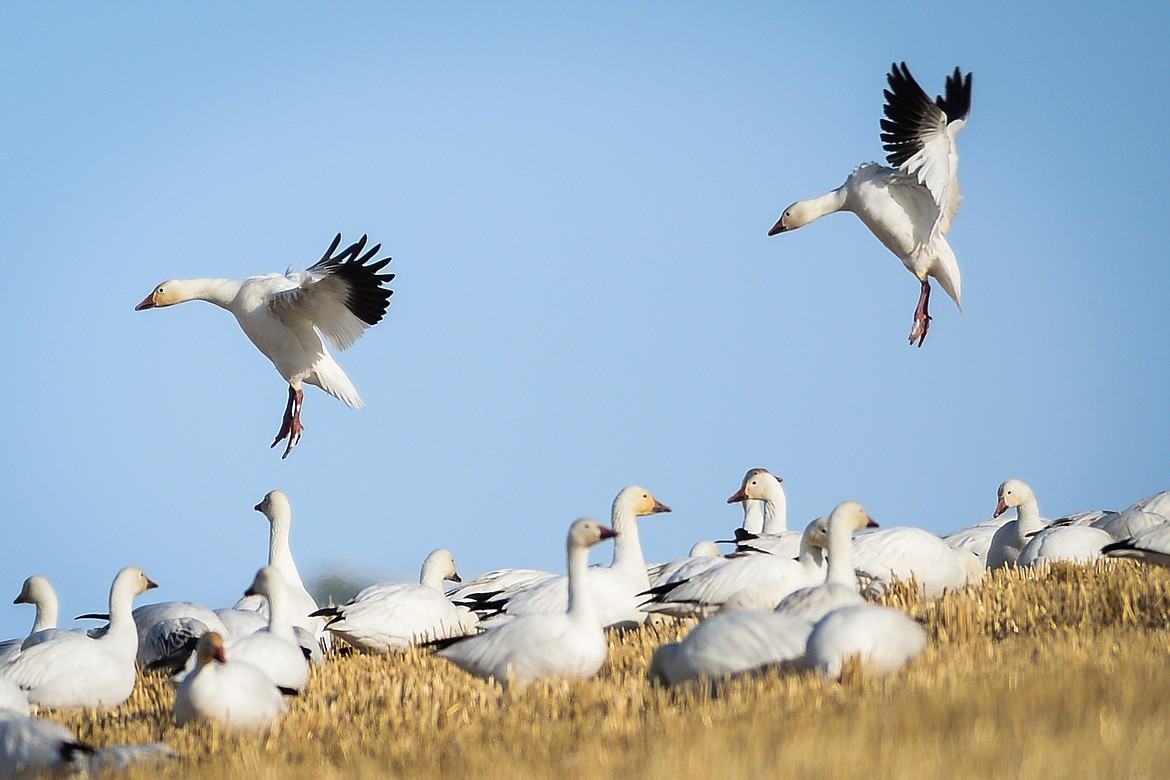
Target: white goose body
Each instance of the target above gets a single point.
(730, 644)
(614, 589)
(284, 316)
(391, 617)
(78, 671)
(35, 747)
(38, 591)
(884, 639)
(1026, 541)
(975, 539)
(753, 581)
(1151, 545)
(902, 553)
(232, 692)
(908, 207)
(703, 555)
(569, 645)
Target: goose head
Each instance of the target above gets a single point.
(36, 590)
(209, 647)
(851, 515)
(758, 484)
(265, 583)
(587, 532)
(439, 566)
(796, 215)
(1012, 494)
(166, 294)
(639, 501)
(275, 507)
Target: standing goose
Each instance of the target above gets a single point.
(285, 315)
(393, 616)
(840, 586)
(568, 645)
(765, 488)
(76, 670)
(615, 588)
(908, 207)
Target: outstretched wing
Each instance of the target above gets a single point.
(918, 135)
(341, 295)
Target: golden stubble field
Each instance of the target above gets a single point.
(1061, 673)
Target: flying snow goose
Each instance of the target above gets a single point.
(614, 589)
(755, 581)
(233, 693)
(883, 638)
(285, 315)
(840, 586)
(762, 486)
(390, 617)
(277, 509)
(1027, 542)
(1151, 545)
(908, 207)
(569, 645)
(731, 644)
(75, 670)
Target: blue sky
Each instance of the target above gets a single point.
(577, 201)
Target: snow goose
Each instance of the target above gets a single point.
(568, 645)
(1124, 525)
(36, 747)
(883, 638)
(75, 670)
(975, 539)
(12, 698)
(166, 631)
(731, 644)
(284, 316)
(765, 487)
(840, 585)
(37, 591)
(233, 693)
(883, 555)
(908, 207)
(1159, 504)
(277, 509)
(390, 617)
(755, 581)
(1035, 543)
(274, 650)
(615, 588)
(1151, 545)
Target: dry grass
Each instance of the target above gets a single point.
(1061, 674)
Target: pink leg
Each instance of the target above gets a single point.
(291, 426)
(921, 315)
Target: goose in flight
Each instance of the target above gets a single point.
(908, 205)
(286, 315)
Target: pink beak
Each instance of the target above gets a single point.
(147, 303)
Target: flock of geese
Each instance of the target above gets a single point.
(784, 599)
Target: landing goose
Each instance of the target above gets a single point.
(75, 670)
(908, 207)
(285, 315)
(391, 617)
(233, 693)
(568, 645)
(614, 589)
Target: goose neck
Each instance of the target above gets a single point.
(1028, 520)
(775, 508)
(627, 547)
(840, 548)
(581, 607)
(47, 609)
